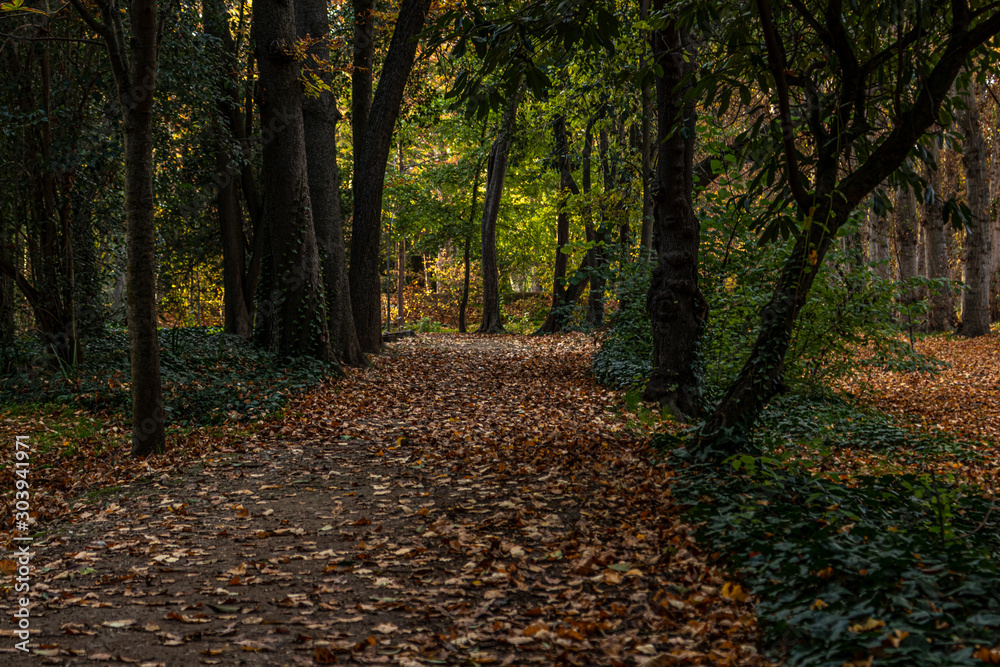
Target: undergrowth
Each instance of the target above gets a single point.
(898, 569)
(209, 378)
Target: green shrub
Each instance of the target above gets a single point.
(208, 377)
(852, 319)
(902, 567)
(625, 357)
(427, 325)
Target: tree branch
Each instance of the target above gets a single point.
(74, 40)
(29, 291)
(89, 19)
(776, 61)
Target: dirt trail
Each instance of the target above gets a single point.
(466, 501)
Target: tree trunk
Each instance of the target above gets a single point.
(362, 76)
(994, 215)
(50, 286)
(496, 171)
(646, 240)
(319, 120)
(906, 246)
(136, 92)
(977, 247)
(371, 155)
(879, 250)
(677, 309)
(560, 310)
(236, 313)
(301, 322)
(464, 305)
(400, 279)
(836, 190)
(595, 255)
(936, 247)
(6, 301)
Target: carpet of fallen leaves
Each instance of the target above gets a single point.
(962, 401)
(465, 501)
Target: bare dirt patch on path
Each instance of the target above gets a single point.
(465, 501)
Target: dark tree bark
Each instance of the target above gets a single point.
(298, 298)
(371, 155)
(496, 172)
(936, 246)
(560, 309)
(362, 76)
(319, 120)
(136, 92)
(831, 202)
(677, 309)
(978, 242)
(134, 69)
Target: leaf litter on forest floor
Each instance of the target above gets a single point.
(467, 500)
(958, 402)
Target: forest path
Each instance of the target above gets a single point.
(465, 501)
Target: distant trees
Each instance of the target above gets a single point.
(496, 173)
(978, 238)
(236, 192)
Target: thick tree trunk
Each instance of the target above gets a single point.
(496, 172)
(936, 248)
(677, 309)
(319, 120)
(978, 243)
(362, 76)
(371, 155)
(559, 312)
(299, 302)
(137, 96)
